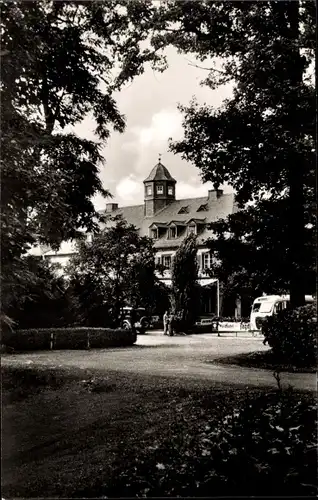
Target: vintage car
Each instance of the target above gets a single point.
(135, 318)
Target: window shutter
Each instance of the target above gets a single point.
(199, 260)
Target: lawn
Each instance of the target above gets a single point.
(265, 360)
(80, 433)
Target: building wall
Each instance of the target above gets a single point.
(155, 201)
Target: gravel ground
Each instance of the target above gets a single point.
(177, 357)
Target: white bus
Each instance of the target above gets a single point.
(268, 305)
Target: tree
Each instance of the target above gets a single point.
(41, 301)
(250, 256)
(60, 61)
(184, 295)
(262, 140)
(117, 268)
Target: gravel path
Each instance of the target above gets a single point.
(190, 357)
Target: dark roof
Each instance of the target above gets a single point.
(177, 222)
(158, 224)
(197, 221)
(217, 208)
(159, 173)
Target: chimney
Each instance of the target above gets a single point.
(215, 194)
(111, 207)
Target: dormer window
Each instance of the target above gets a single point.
(160, 189)
(170, 190)
(184, 210)
(172, 232)
(154, 234)
(203, 208)
(149, 191)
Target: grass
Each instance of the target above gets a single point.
(79, 433)
(265, 360)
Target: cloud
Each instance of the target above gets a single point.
(164, 124)
(128, 190)
(185, 190)
(152, 117)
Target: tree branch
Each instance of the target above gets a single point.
(206, 69)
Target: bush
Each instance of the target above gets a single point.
(230, 319)
(28, 340)
(292, 335)
(264, 447)
(67, 338)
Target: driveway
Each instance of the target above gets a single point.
(189, 357)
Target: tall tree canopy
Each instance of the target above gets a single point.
(60, 61)
(262, 140)
(116, 268)
(250, 253)
(185, 289)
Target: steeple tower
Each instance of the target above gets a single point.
(160, 189)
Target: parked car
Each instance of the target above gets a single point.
(135, 318)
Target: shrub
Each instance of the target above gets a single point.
(292, 335)
(28, 340)
(230, 319)
(67, 338)
(265, 446)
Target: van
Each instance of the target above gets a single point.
(268, 305)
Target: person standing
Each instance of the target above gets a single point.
(166, 321)
(171, 324)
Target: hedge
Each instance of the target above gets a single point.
(292, 335)
(67, 338)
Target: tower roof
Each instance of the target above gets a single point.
(159, 173)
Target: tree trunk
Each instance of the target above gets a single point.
(296, 170)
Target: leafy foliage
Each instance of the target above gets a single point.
(264, 446)
(37, 298)
(184, 296)
(34, 339)
(60, 61)
(116, 269)
(250, 253)
(262, 140)
(292, 335)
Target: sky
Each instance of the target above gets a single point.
(149, 104)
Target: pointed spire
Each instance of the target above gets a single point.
(159, 173)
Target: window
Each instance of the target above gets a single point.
(160, 189)
(149, 190)
(167, 261)
(206, 262)
(184, 210)
(172, 232)
(266, 307)
(203, 208)
(256, 307)
(170, 190)
(192, 229)
(279, 306)
(154, 234)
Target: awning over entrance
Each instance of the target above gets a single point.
(202, 282)
(207, 281)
